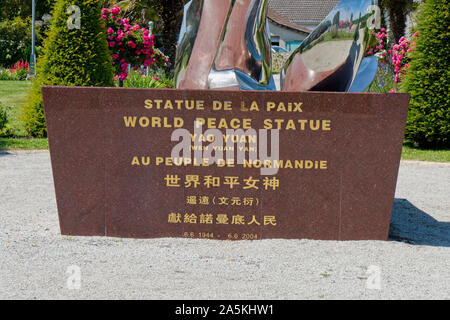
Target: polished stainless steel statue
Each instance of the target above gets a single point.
(226, 44)
(330, 57)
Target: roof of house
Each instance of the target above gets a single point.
(303, 12)
(278, 19)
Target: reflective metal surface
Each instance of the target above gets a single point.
(329, 58)
(366, 75)
(224, 44)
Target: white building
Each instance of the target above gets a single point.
(291, 21)
(284, 33)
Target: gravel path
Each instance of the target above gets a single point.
(414, 264)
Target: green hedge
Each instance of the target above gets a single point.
(3, 121)
(428, 78)
(72, 57)
(77, 57)
(33, 111)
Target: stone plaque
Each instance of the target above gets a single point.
(336, 170)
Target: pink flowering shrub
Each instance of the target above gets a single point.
(130, 45)
(401, 56)
(392, 62)
(380, 46)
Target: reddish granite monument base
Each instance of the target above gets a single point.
(110, 150)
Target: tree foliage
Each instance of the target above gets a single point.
(10, 9)
(72, 57)
(428, 78)
(77, 57)
(15, 40)
(397, 11)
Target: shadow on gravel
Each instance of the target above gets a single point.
(4, 153)
(411, 225)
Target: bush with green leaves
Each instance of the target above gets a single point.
(138, 81)
(152, 79)
(384, 81)
(77, 56)
(15, 40)
(3, 121)
(72, 57)
(21, 74)
(5, 74)
(428, 78)
(32, 113)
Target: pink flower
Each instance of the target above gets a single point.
(115, 56)
(131, 44)
(115, 11)
(105, 11)
(110, 30)
(103, 17)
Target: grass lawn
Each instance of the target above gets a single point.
(12, 95)
(23, 144)
(411, 153)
